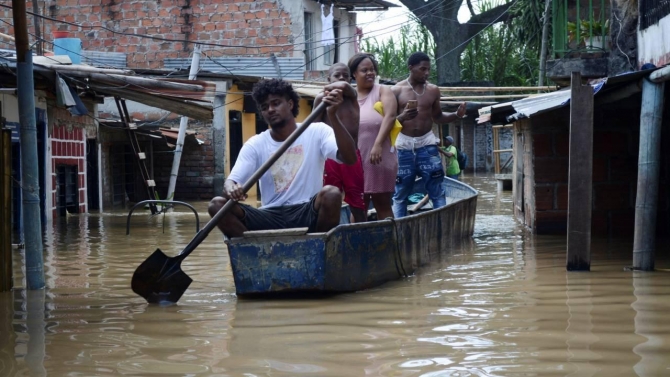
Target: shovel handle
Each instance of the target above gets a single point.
(211, 224)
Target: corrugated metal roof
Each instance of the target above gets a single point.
(511, 111)
(365, 5)
(105, 59)
(290, 68)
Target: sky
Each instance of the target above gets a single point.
(384, 24)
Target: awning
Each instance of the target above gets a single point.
(512, 111)
(192, 98)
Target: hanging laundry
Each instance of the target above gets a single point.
(327, 33)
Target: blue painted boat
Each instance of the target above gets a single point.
(352, 257)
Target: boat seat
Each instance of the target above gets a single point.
(275, 232)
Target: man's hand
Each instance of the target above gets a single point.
(233, 190)
(461, 110)
(333, 98)
(407, 113)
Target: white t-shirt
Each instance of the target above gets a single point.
(298, 173)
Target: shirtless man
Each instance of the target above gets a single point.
(348, 178)
(418, 152)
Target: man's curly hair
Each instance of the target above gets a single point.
(264, 88)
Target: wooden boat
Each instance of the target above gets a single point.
(351, 257)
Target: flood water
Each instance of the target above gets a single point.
(501, 305)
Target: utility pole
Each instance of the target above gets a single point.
(543, 48)
(38, 30)
(183, 124)
(30, 185)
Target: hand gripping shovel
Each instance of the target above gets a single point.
(159, 279)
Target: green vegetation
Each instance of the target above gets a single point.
(392, 54)
(505, 53)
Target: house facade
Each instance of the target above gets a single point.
(66, 157)
(246, 38)
(653, 37)
(314, 33)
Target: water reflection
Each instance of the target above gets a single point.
(501, 304)
(651, 307)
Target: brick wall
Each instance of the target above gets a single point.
(68, 147)
(196, 168)
(234, 24)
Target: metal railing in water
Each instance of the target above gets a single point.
(166, 204)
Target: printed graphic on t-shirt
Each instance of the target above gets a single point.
(285, 169)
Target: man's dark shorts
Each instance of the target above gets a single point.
(291, 216)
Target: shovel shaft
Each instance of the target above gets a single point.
(202, 234)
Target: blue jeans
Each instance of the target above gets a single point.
(426, 163)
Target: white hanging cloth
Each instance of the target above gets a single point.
(327, 33)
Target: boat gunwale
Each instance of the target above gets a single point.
(377, 223)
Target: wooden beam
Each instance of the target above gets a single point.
(498, 88)
(580, 175)
(143, 82)
(75, 68)
(447, 98)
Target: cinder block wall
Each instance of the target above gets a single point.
(615, 159)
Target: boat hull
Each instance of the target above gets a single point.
(352, 257)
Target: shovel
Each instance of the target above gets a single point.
(159, 279)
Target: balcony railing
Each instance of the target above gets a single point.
(580, 26)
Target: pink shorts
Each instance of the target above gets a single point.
(348, 178)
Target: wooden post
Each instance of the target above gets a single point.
(496, 147)
(580, 175)
(6, 277)
(649, 160)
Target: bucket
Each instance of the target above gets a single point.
(70, 47)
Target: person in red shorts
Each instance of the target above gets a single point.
(348, 178)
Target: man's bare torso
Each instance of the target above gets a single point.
(349, 114)
(423, 122)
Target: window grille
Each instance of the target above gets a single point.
(652, 11)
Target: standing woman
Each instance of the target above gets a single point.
(380, 162)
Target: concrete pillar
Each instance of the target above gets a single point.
(219, 136)
(649, 162)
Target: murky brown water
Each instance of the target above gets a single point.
(503, 305)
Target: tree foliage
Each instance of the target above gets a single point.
(505, 50)
(506, 54)
(392, 53)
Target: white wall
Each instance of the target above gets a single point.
(654, 43)
(10, 105)
(347, 30)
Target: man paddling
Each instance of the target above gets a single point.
(348, 178)
(418, 153)
(292, 191)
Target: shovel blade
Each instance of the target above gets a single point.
(159, 279)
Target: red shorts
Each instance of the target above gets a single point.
(348, 178)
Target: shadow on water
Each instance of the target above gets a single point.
(500, 304)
